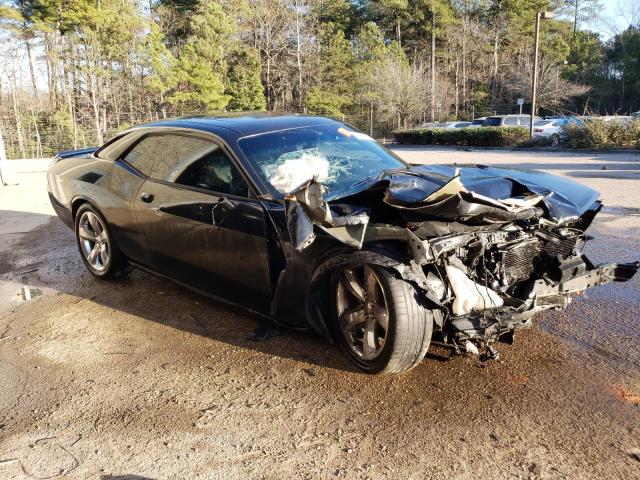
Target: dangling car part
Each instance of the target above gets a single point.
(310, 223)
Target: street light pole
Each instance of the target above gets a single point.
(534, 80)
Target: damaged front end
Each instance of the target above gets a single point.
(486, 247)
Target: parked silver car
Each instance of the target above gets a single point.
(509, 121)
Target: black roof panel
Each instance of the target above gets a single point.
(243, 123)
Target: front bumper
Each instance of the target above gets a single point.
(543, 294)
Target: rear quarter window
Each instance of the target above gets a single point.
(157, 155)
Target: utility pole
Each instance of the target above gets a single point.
(534, 80)
(433, 66)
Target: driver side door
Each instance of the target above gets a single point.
(201, 225)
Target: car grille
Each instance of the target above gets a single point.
(519, 261)
(564, 247)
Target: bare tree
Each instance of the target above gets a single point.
(553, 90)
(404, 89)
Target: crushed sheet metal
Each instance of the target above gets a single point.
(306, 207)
(564, 200)
(491, 196)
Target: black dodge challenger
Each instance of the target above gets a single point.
(315, 225)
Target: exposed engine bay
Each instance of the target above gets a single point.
(487, 247)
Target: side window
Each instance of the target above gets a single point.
(191, 161)
(158, 155)
(144, 153)
(211, 170)
(112, 149)
(511, 121)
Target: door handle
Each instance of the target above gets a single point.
(147, 197)
(223, 205)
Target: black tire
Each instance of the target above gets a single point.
(116, 265)
(410, 326)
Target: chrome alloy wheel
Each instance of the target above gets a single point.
(94, 241)
(363, 314)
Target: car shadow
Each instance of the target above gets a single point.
(46, 259)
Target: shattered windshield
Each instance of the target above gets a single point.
(333, 155)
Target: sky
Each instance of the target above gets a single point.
(616, 16)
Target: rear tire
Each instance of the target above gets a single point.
(96, 244)
(409, 325)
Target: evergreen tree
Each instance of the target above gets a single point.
(201, 68)
(334, 89)
(158, 62)
(243, 81)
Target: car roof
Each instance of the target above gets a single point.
(242, 124)
(512, 115)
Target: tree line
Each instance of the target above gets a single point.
(78, 70)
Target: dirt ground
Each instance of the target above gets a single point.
(141, 379)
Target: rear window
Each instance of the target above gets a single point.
(493, 122)
(114, 147)
(157, 155)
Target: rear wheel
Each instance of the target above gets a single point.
(379, 321)
(97, 246)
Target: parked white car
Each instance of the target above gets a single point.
(621, 119)
(552, 127)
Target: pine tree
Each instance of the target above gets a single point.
(243, 81)
(201, 68)
(334, 89)
(159, 63)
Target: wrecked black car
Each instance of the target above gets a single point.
(310, 223)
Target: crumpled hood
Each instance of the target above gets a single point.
(416, 189)
(468, 196)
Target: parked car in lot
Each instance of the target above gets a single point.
(553, 127)
(432, 125)
(446, 125)
(478, 122)
(316, 226)
(452, 125)
(620, 119)
(509, 121)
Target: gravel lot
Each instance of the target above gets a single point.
(142, 379)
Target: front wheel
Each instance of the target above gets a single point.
(98, 248)
(379, 321)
